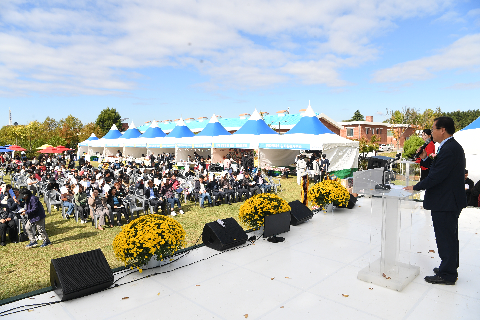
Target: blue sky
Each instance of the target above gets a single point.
(170, 59)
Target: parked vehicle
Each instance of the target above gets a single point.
(384, 147)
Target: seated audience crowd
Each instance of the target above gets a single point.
(110, 194)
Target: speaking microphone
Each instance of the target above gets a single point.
(417, 155)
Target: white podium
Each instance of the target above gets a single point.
(387, 271)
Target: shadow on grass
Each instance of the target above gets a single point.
(79, 236)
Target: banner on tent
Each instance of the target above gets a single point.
(291, 146)
(161, 145)
(83, 144)
(134, 145)
(113, 145)
(232, 145)
(194, 145)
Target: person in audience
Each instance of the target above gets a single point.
(169, 194)
(201, 190)
(469, 185)
(7, 222)
(117, 206)
(252, 186)
(261, 183)
(214, 189)
(99, 206)
(475, 195)
(81, 201)
(68, 201)
(36, 218)
(32, 183)
(324, 165)
(301, 167)
(153, 197)
(316, 170)
(241, 185)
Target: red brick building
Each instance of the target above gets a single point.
(386, 132)
(364, 129)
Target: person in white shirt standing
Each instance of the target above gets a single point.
(301, 167)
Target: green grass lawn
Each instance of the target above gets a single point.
(24, 270)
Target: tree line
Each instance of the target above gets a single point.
(66, 132)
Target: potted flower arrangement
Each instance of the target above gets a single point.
(329, 192)
(150, 236)
(253, 211)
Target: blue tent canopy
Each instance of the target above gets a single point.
(92, 137)
(181, 130)
(114, 133)
(309, 124)
(255, 125)
(214, 128)
(153, 132)
(132, 132)
(474, 125)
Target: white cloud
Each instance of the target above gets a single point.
(465, 86)
(96, 47)
(449, 17)
(463, 54)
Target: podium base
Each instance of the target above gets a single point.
(392, 280)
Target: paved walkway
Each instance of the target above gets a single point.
(312, 275)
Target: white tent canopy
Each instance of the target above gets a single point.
(308, 134)
(281, 150)
(468, 139)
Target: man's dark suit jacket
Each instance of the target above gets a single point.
(445, 184)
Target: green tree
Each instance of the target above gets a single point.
(401, 120)
(411, 145)
(107, 118)
(427, 117)
(69, 130)
(462, 118)
(365, 146)
(357, 116)
(87, 131)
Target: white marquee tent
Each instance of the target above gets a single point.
(309, 134)
(469, 138)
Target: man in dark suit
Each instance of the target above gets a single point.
(445, 197)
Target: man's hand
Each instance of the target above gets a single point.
(423, 155)
(410, 188)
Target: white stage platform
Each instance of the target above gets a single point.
(312, 275)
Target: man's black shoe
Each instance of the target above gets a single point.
(438, 280)
(436, 270)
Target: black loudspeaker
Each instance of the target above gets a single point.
(276, 224)
(300, 213)
(80, 274)
(352, 201)
(224, 235)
